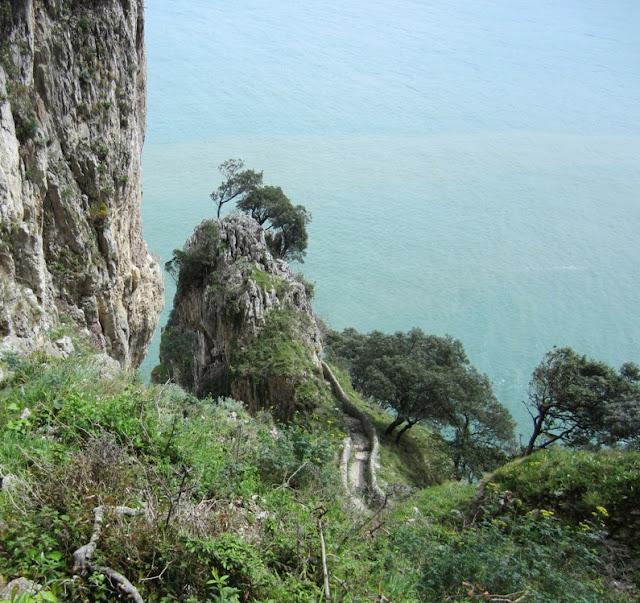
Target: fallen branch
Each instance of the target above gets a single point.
(287, 482)
(82, 563)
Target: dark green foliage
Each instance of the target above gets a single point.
(6, 16)
(500, 548)
(422, 377)
(514, 554)
(284, 223)
(176, 355)
(238, 182)
(579, 401)
(190, 266)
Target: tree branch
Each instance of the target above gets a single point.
(82, 563)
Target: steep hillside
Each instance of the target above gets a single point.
(72, 111)
(114, 491)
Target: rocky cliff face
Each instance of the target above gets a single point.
(72, 122)
(241, 324)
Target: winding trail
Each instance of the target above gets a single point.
(361, 450)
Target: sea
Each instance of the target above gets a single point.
(472, 167)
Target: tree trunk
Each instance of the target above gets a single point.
(407, 426)
(537, 430)
(396, 422)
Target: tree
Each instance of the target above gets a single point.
(483, 429)
(422, 377)
(408, 374)
(579, 401)
(238, 182)
(284, 223)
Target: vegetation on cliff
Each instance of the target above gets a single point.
(285, 224)
(429, 379)
(235, 507)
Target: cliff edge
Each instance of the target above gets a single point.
(72, 123)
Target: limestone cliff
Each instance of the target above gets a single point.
(241, 324)
(72, 122)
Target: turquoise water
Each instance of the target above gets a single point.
(472, 168)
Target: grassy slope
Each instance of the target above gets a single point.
(235, 504)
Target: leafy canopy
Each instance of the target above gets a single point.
(284, 223)
(422, 377)
(238, 182)
(579, 401)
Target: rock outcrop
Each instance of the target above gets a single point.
(241, 324)
(72, 123)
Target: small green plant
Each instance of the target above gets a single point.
(99, 214)
(101, 150)
(220, 589)
(83, 23)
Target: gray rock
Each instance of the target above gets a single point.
(65, 345)
(223, 311)
(9, 482)
(70, 189)
(18, 587)
(109, 367)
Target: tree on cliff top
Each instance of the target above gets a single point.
(284, 223)
(238, 182)
(579, 401)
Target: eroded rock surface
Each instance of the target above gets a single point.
(241, 324)
(72, 122)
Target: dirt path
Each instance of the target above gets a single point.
(360, 452)
(359, 457)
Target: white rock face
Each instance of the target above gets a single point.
(72, 122)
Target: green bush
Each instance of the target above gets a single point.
(574, 483)
(99, 214)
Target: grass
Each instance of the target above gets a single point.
(419, 460)
(236, 503)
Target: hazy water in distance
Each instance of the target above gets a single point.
(472, 168)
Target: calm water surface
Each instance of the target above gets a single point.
(472, 168)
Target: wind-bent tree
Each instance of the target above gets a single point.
(579, 401)
(238, 182)
(285, 224)
(422, 377)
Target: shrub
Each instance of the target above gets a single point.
(99, 214)
(574, 483)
